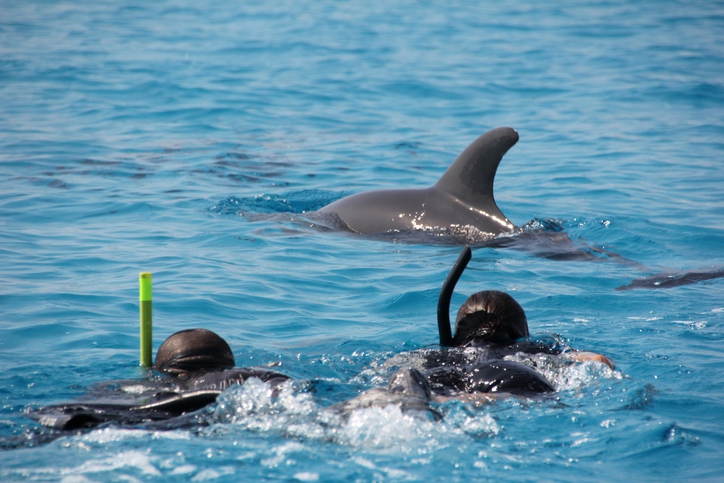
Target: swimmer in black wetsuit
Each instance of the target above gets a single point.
(490, 325)
(492, 322)
(196, 365)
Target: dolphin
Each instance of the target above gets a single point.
(462, 197)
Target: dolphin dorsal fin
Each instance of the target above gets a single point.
(470, 178)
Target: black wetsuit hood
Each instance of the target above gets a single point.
(193, 350)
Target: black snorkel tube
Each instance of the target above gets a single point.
(443, 302)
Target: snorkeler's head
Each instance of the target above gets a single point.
(193, 350)
(490, 316)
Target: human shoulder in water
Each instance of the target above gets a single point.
(192, 368)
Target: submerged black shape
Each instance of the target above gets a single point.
(664, 280)
(82, 415)
(507, 376)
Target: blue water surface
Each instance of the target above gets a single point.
(191, 139)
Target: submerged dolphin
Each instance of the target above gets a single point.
(462, 197)
(669, 280)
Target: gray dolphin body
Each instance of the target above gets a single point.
(462, 197)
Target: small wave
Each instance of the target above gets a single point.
(293, 413)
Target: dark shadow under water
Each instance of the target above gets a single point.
(296, 214)
(542, 238)
(669, 280)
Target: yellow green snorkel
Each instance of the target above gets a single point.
(144, 280)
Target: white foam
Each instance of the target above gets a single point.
(76, 479)
(692, 324)
(134, 388)
(213, 473)
(389, 472)
(108, 435)
(380, 427)
(306, 476)
(281, 454)
(121, 460)
(566, 374)
(183, 470)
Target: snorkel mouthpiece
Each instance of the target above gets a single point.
(443, 302)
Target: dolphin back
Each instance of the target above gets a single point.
(462, 197)
(470, 178)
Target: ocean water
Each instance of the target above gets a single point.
(191, 140)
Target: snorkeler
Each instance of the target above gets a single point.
(472, 365)
(193, 368)
(495, 321)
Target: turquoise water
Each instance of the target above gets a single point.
(189, 139)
